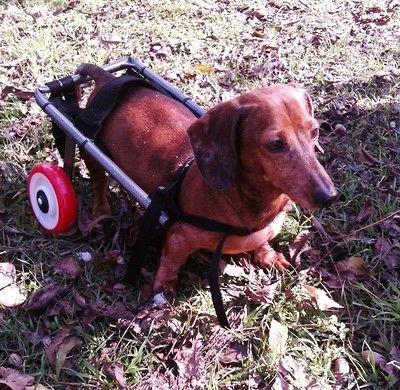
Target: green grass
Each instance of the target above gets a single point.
(347, 55)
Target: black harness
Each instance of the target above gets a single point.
(89, 121)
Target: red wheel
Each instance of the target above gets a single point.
(52, 198)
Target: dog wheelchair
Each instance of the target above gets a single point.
(51, 194)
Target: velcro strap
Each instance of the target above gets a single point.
(63, 85)
(90, 120)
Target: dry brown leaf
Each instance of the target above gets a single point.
(299, 245)
(15, 360)
(59, 348)
(234, 271)
(321, 299)
(234, 354)
(14, 379)
(392, 260)
(204, 68)
(113, 38)
(374, 358)
(291, 369)
(42, 297)
(10, 294)
(263, 295)
(342, 372)
(187, 358)
(79, 299)
(66, 346)
(69, 267)
(18, 93)
(277, 338)
(281, 384)
(353, 265)
(363, 157)
(116, 372)
(365, 212)
(382, 246)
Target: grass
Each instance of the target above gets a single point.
(347, 56)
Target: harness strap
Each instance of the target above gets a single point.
(213, 280)
(161, 201)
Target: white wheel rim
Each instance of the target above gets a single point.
(49, 219)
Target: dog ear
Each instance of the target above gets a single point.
(213, 139)
(309, 103)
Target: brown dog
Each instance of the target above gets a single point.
(254, 156)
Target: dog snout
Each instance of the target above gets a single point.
(326, 196)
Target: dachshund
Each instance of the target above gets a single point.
(254, 156)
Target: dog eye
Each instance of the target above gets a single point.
(315, 134)
(275, 146)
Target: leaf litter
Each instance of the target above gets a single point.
(261, 293)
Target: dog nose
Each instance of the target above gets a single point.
(325, 197)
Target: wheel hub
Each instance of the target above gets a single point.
(42, 201)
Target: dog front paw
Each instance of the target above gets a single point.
(266, 257)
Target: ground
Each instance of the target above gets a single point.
(331, 322)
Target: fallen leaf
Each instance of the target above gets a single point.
(18, 93)
(365, 212)
(14, 379)
(116, 372)
(69, 267)
(298, 246)
(258, 34)
(392, 260)
(234, 271)
(342, 371)
(382, 246)
(112, 38)
(292, 370)
(321, 299)
(320, 229)
(281, 384)
(204, 68)
(86, 223)
(277, 338)
(353, 265)
(115, 312)
(10, 294)
(66, 346)
(42, 297)
(363, 157)
(15, 360)
(7, 274)
(374, 358)
(234, 354)
(79, 299)
(187, 357)
(61, 344)
(264, 295)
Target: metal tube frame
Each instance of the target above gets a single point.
(41, 96)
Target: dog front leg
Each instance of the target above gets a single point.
(176, 250)
(264, 255)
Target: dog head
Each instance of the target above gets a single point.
(268, 135)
